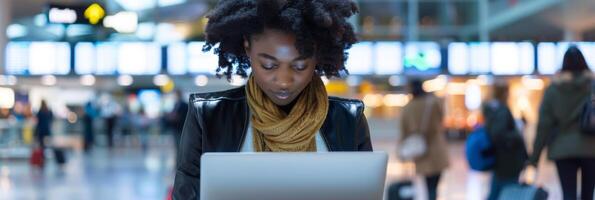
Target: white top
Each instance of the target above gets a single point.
(248, 145)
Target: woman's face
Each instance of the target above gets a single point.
(278, 68)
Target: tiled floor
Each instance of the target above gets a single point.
(131, 173)
(103, 174)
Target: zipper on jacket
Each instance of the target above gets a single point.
(243, 138)
(325, 142)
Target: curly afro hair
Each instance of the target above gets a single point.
(320, 27)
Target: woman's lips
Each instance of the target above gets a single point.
(282, 95)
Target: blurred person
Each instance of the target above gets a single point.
(126, 124)
(142, 125)
(176, 117)
(558, 127)
(435, 158)
(44, 124)
(109, 113)
(88, 119)
(284, 106)
(19, 110)
(5, 113)
(507, 143)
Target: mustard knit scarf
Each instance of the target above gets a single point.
(276, 131)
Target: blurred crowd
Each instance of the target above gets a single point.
(106, 118)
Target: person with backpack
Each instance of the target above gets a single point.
(507, 144)
(176, 117)
(559, 127)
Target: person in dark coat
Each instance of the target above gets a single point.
(110, 112)
(89, 134)
(508, 144)
(44, 123)
(558, 128)
(177, 116)
(284, 106)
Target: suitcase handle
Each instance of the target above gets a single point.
(529, 176)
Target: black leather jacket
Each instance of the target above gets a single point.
(217, 122)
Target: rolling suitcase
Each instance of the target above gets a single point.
(526, 189)
(37, 159)
(403, 189)
(523, 191)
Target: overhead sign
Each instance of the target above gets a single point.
(509, 58)
(498, 58)
(94, 13)
(360, 60)
(62, 15)
(49, 58)
(17, 58)
(469, 58)
(388, 58)
(200, 62)
(422, 58)
(75, 13)
(139, 58)
(37, 58)
(177, 59)
(123, 22)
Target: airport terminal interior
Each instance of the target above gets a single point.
(112, 73)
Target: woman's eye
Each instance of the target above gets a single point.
(268, 66)
(300, 67)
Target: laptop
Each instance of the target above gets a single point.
(293, 176)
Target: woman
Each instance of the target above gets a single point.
(423, 115)
(558, 127)
(89, 134)
(142, 124)
(284, 107)
(44, 123)
(508, 144)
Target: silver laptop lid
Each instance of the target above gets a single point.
(314, 176)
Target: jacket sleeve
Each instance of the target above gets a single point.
(187, 178)
(545, 126)
(363, 134)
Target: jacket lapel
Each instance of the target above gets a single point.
(327, 131)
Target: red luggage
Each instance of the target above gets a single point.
(37, 157)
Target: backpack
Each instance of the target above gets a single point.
(479, 150)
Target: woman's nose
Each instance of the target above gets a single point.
(284, 77)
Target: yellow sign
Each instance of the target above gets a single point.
(168, 87)
(94, 13)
